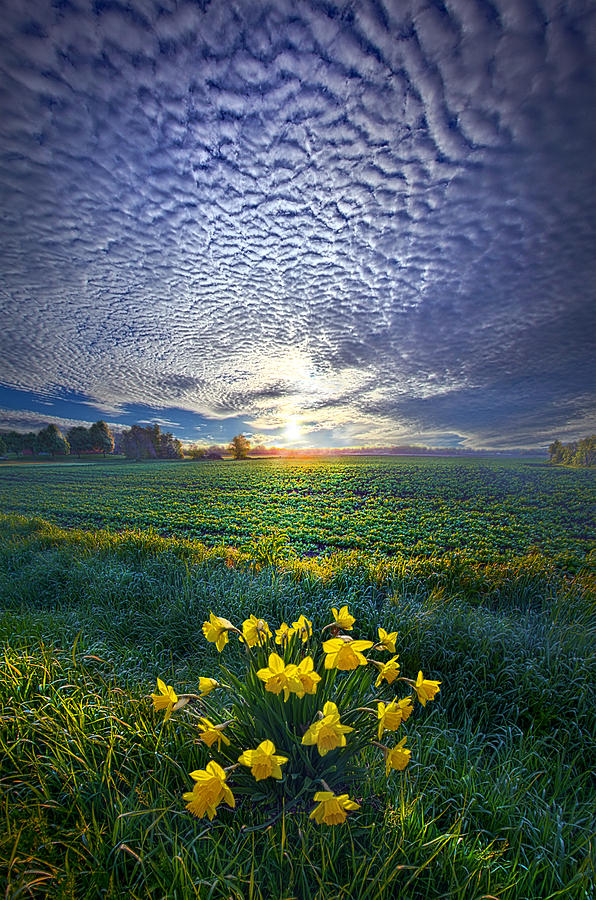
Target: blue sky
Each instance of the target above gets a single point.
(322, 224)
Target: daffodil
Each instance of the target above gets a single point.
(210, 733)
(263, 762)
(391, 715)
(343, 619)
(283, 633)
(278, 677)
(327, 733)
(303, 627)
(307, 676)
(388, 671)
(207, 684)
(425, 689)
(255, 631)
(332, 810)
(344, 653)
(166, 699)
(210, 789)
(397, 757)
(387, 640)
(216, 631)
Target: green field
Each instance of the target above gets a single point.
(388, 506)
(480, 566)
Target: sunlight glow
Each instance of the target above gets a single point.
(292, 430)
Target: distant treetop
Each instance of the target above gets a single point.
(150, 443)
(239, 447)
(577, 453)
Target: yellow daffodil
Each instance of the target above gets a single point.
(255, 631)
(391, 716)
(345, 654)
(406, 708)
(343, 619)
(332, 810)
(263, 762)
(397, 757)
(303, 627)
(307, 676)
(278, 677)
(166, 699)
(425, 689)
(216, 631)
(210, 789)
(283, 633)
(327, 733)
(388, 671)
(210, 733)
(387, 640)
(207, 684)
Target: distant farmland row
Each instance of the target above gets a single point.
(382, 505)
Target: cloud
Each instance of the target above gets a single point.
(380, 218)
(24, 420)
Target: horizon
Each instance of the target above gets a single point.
(288, 450)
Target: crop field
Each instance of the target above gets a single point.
(398, 505)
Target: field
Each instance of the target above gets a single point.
(107, 571)
(376, 505)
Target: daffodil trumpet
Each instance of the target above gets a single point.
(379, 646)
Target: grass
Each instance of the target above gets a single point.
(498, 800)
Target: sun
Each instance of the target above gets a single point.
(292, 431)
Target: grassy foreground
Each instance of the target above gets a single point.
(498, 800)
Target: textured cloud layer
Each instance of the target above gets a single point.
(376, 218)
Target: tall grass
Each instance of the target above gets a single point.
(498, 800)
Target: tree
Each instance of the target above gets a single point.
(51, 440)
(102, 439)
(170, 447)
(586, 452)
(30, 443)
(239, 447)
(576, 453)
(13, 441)
(137, 444)
(150, 443)
(196, 453)
(79, 440)
(154, 434)
(214, 452)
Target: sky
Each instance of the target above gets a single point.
(317, 223)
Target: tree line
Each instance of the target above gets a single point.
(96, 439)
(136, 442)
(238, 447)
(150, 442)
(576, 453)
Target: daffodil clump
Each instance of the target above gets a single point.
(294, 729)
